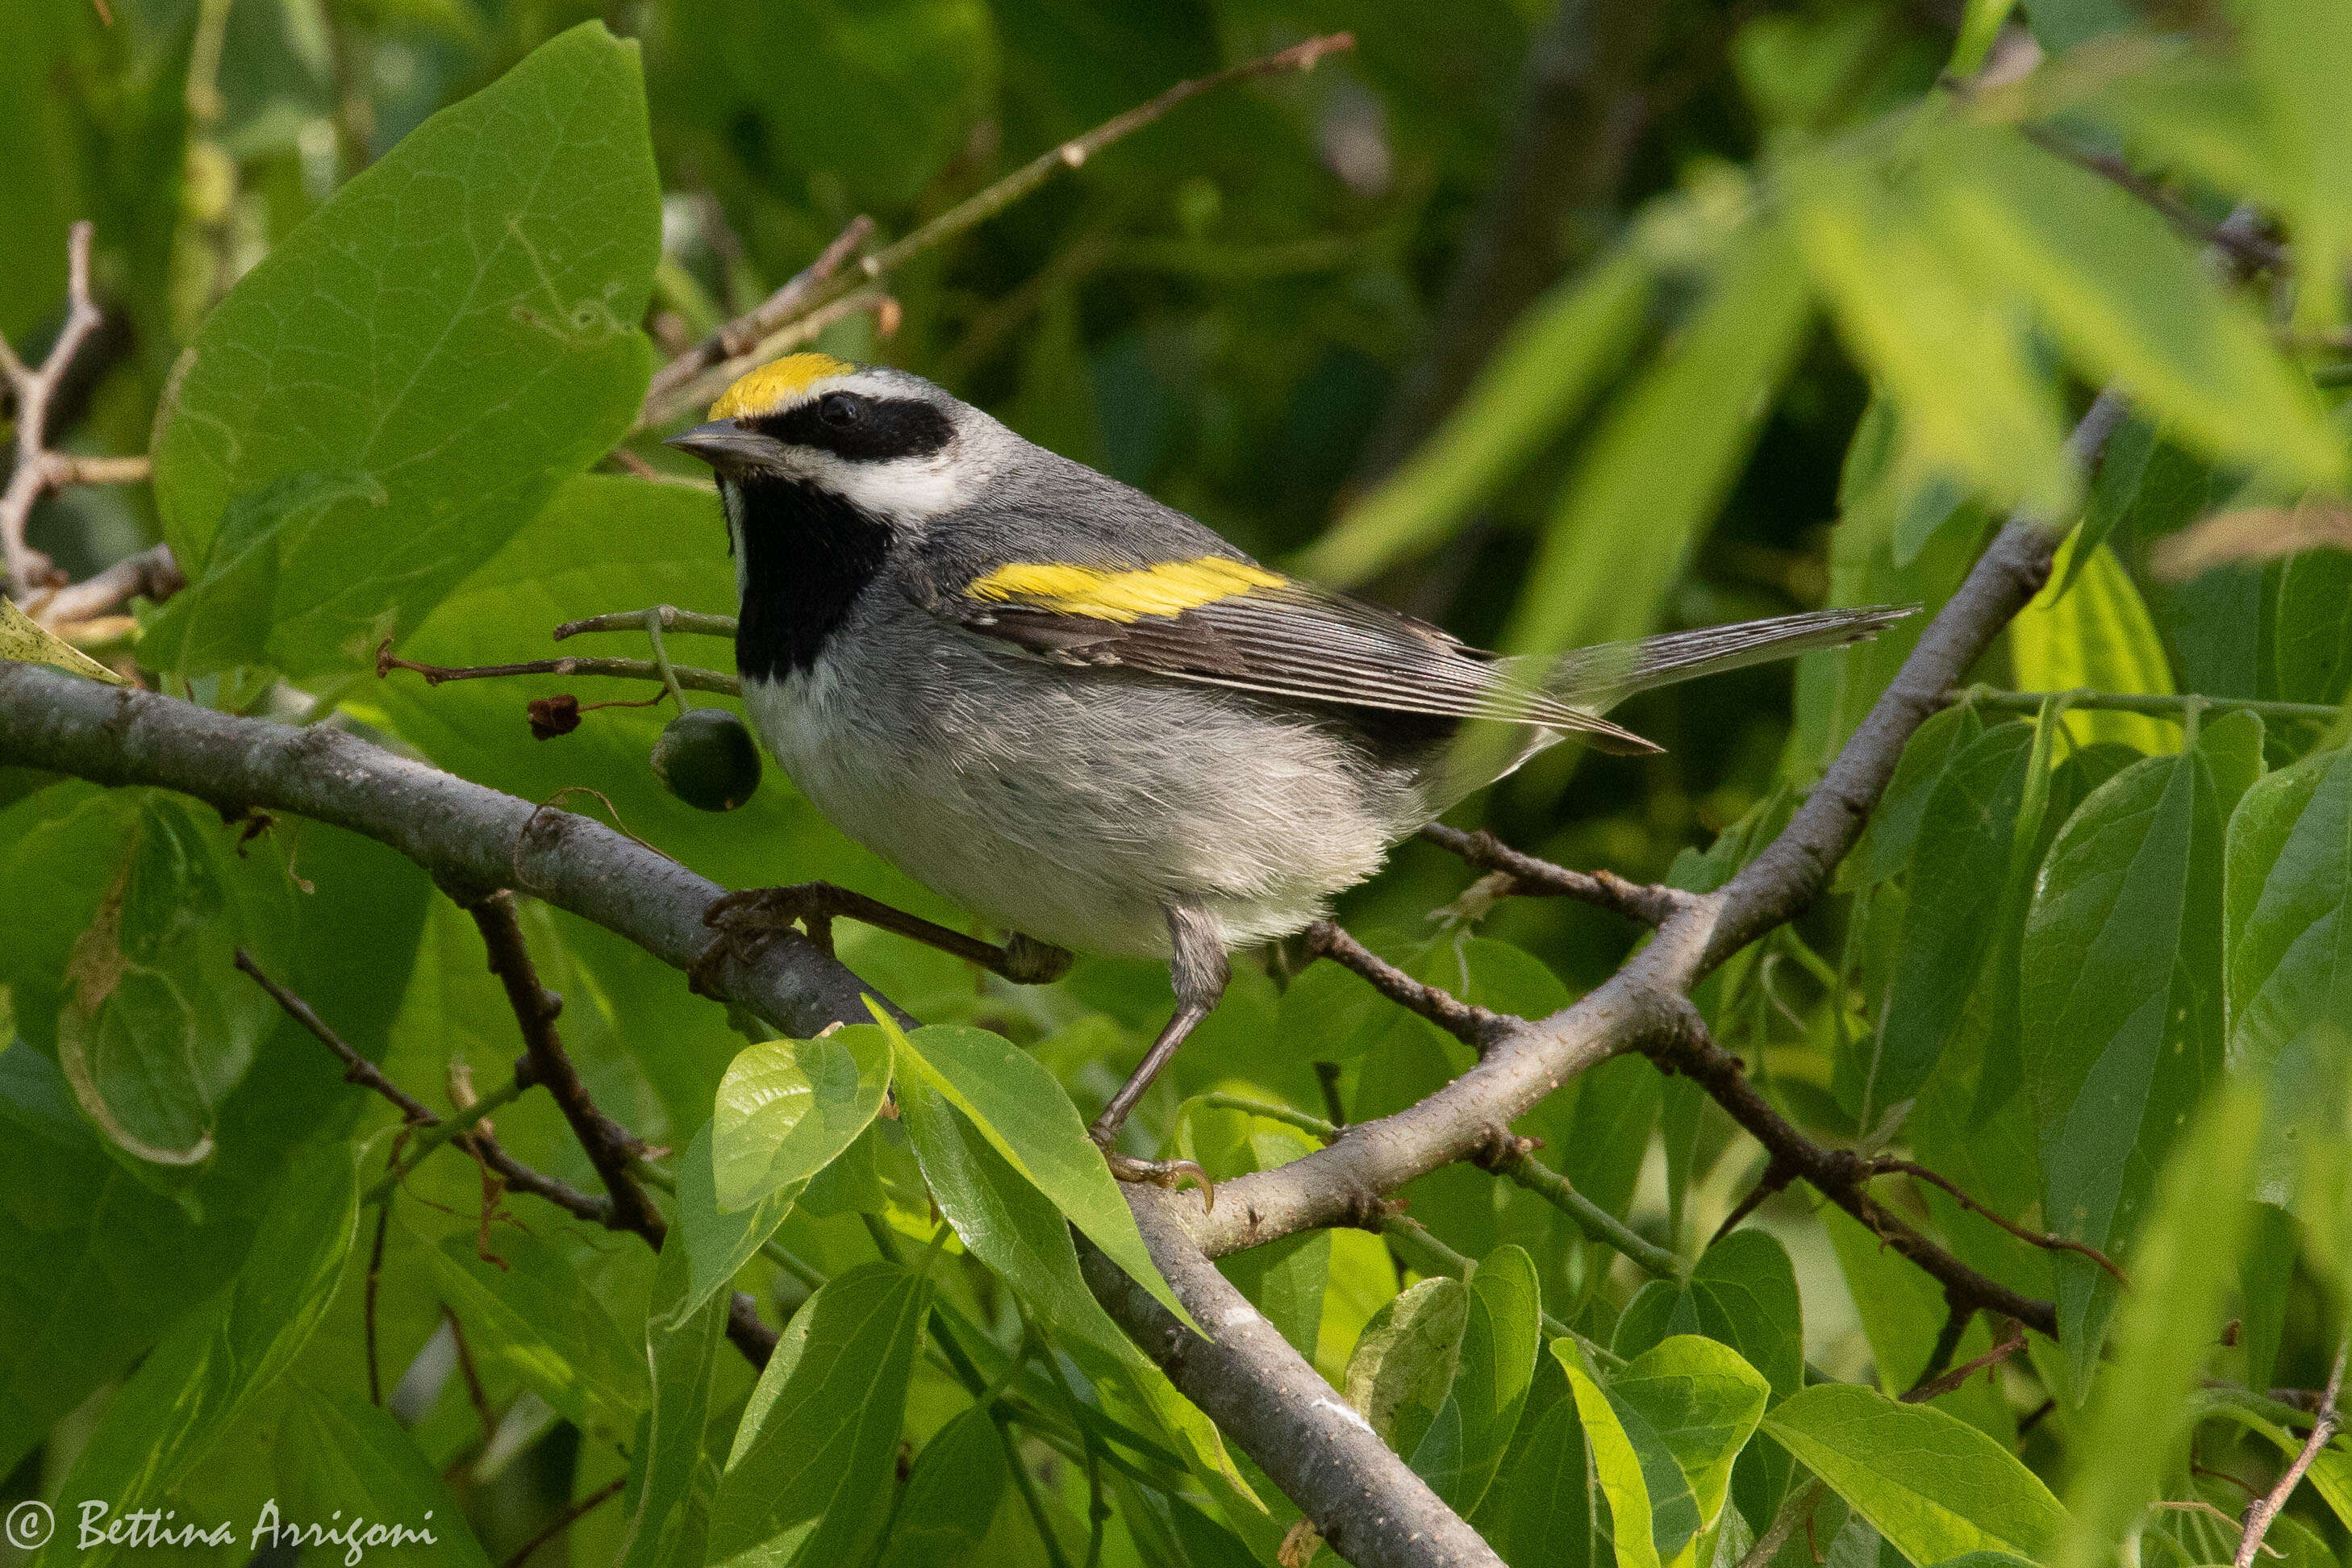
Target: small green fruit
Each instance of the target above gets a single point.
(707, 759)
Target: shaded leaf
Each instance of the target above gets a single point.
(2122, 1018)
(1959, 867)
(1405, 1355)
(669, 1508)
(539, 1320)
(208, 1370)
(958, 1479)
(347, 1454)
(814, 1451)
(1024, 1114)
(1502, 1333)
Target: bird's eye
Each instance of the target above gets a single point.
(840, 410)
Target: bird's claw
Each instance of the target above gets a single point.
(1165, 1173)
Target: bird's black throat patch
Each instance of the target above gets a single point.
(807, 555)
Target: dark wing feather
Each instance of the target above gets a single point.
(1294, 641)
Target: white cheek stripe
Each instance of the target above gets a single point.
(903, 489)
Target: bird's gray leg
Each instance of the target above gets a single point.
(813, 905)
(1198, 968)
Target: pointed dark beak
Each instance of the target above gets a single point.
(723, 444)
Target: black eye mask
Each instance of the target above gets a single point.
(859, 428)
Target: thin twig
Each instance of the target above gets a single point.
(471, 1130)
(2246, 245)
(471, 1373)
(150, 573)
(1649, 903)
(1887, 1165)
(564, 1520)
(2012, 1340)
(1793, 1512)
(39, 470)
(682, 393)
(1027, 1484)
(608, 1145)
(2262, 1510)
(1838, 1174)
(671, 618)
(1771, 1183)
(1465, 1021)
(357, 1069)
(367, 1303)
(2175, 708)
(1514, 1159)
(1947, 1344)
(741, 335)
(688, 676)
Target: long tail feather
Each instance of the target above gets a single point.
(1600, 678)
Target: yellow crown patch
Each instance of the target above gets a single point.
(770, 387)
(1169, 588)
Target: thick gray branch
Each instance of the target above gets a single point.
(1642, 1006)
(1369, 1505)
(474, 839)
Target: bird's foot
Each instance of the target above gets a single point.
(756, 915)
(1167, 1173)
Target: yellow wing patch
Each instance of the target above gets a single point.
(770, 387)
(1169, 588)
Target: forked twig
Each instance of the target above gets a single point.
(38, 470)
(778, 319)
(2264, 1510)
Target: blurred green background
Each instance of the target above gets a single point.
(1252, 309)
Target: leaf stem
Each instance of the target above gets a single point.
(1028, 1485)
(692, 623)
(652, 620)
(1423, 1252)
(431, 1137)
(2176, 707)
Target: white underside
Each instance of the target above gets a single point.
(1075, 805)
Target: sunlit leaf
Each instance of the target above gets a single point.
(1949, 352)
(1934, 1486)
(2125, 294)
(786, 1108)
(1534, 383)
(1651, 476)
(2097, 636)
(1029, 1119)
(411, 372)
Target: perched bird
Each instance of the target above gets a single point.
(1084, 715)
